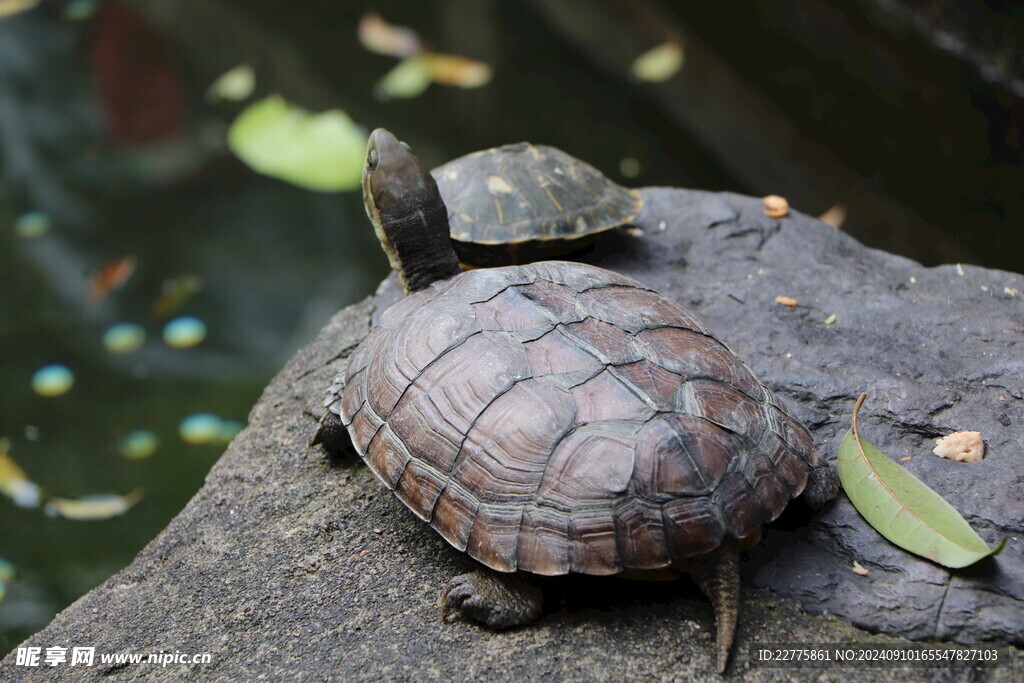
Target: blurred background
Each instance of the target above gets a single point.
(179, 212)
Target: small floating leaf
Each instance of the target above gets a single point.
(379, 36)
(11, 7)
(53, 380)
(6, 570)
(409, 78)
(13, 482)
(630, 167)
(659, 63)
(110, 277)
(124, 338)
(200, 428)
(461, 72)
(79, 10)
(321, 151)
(6, 576)
(175, 292)
(234, 84)
(229, 429)
(139, 444)
(32, 224)
(89, 508)
(902, 508)
(184, 332)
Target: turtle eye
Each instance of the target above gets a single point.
(372, 158)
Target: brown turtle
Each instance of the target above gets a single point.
(523, 202)
(556, 417)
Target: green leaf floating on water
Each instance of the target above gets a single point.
(409, 78)
(902, 508)
(321, 151)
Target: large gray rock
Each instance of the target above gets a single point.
(290, 565)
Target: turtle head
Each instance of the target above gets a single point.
(407, 213)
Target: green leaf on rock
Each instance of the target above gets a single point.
(902, 508)
(321, 151)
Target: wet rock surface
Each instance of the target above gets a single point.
(289, 564)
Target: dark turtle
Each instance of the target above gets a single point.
(557, 417)
(523, 202)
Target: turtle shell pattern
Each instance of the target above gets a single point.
(558, 417)
(523, 192)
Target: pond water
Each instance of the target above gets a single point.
(120, 203)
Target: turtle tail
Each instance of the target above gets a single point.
(719, 579)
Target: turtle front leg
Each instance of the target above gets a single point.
(498, 601)
(718, 576)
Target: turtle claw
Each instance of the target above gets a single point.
(497, 601)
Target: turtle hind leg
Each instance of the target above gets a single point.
(719, 578)
(822, 484)
(330, 432)
(498, 601)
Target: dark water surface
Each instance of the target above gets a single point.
(148, 175)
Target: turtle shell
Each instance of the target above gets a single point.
(559, 417)
(524, 202)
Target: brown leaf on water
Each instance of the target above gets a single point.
(175, 292)
(112, 276)
(455, 70)
(377, 35)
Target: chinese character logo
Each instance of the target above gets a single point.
(27, 656)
